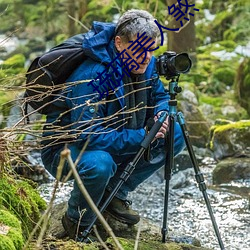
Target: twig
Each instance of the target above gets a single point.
(99, 238)
(137, 236)
(77, 21)
(66, 154)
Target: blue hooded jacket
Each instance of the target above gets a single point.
(103, 124)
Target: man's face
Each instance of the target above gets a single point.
(138, 56)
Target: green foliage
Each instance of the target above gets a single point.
(230, 23)
(221, 22)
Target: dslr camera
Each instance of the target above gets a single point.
(172, 65)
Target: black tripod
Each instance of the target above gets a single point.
(173, 90)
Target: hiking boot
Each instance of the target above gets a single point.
(75, 231)
(121, 211)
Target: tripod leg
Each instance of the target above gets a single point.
(199, 177)
(168, 173)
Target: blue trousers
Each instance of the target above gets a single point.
(100, 170)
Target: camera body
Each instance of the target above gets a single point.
(171, 65)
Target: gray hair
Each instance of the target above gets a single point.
(134, 21)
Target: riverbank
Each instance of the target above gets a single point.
(188, 215)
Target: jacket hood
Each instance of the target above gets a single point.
(98, 43)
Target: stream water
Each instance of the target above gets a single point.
(187, 212)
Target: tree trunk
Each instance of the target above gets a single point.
(83, 7)
(72, 13)
(183, 41)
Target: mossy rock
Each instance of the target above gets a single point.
(232, 139)
(231, 169)
(10, 231)
(22, 200)
(225, 75)
(150, 235)
(128, 244)
(219, 107)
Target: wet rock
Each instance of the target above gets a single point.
(190, 96)
(197, 125)
(181, 179)
(231, 169)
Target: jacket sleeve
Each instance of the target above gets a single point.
(88, 123)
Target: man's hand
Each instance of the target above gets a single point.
(164, 128)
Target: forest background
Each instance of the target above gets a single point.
(216, 38)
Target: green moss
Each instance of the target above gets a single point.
(22, 200)
(9, 219)
(16, 237)
(14, 234)
(16, 61)
(212, 100)
(6, 243)
(224, 75)
(229, 45)
(236, 125)
(13, 71)
(221, 122)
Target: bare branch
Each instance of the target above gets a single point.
(66, 154)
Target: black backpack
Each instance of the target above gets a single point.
(48, 73)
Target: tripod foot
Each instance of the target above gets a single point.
(164, 232)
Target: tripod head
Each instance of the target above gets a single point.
(174, 89)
